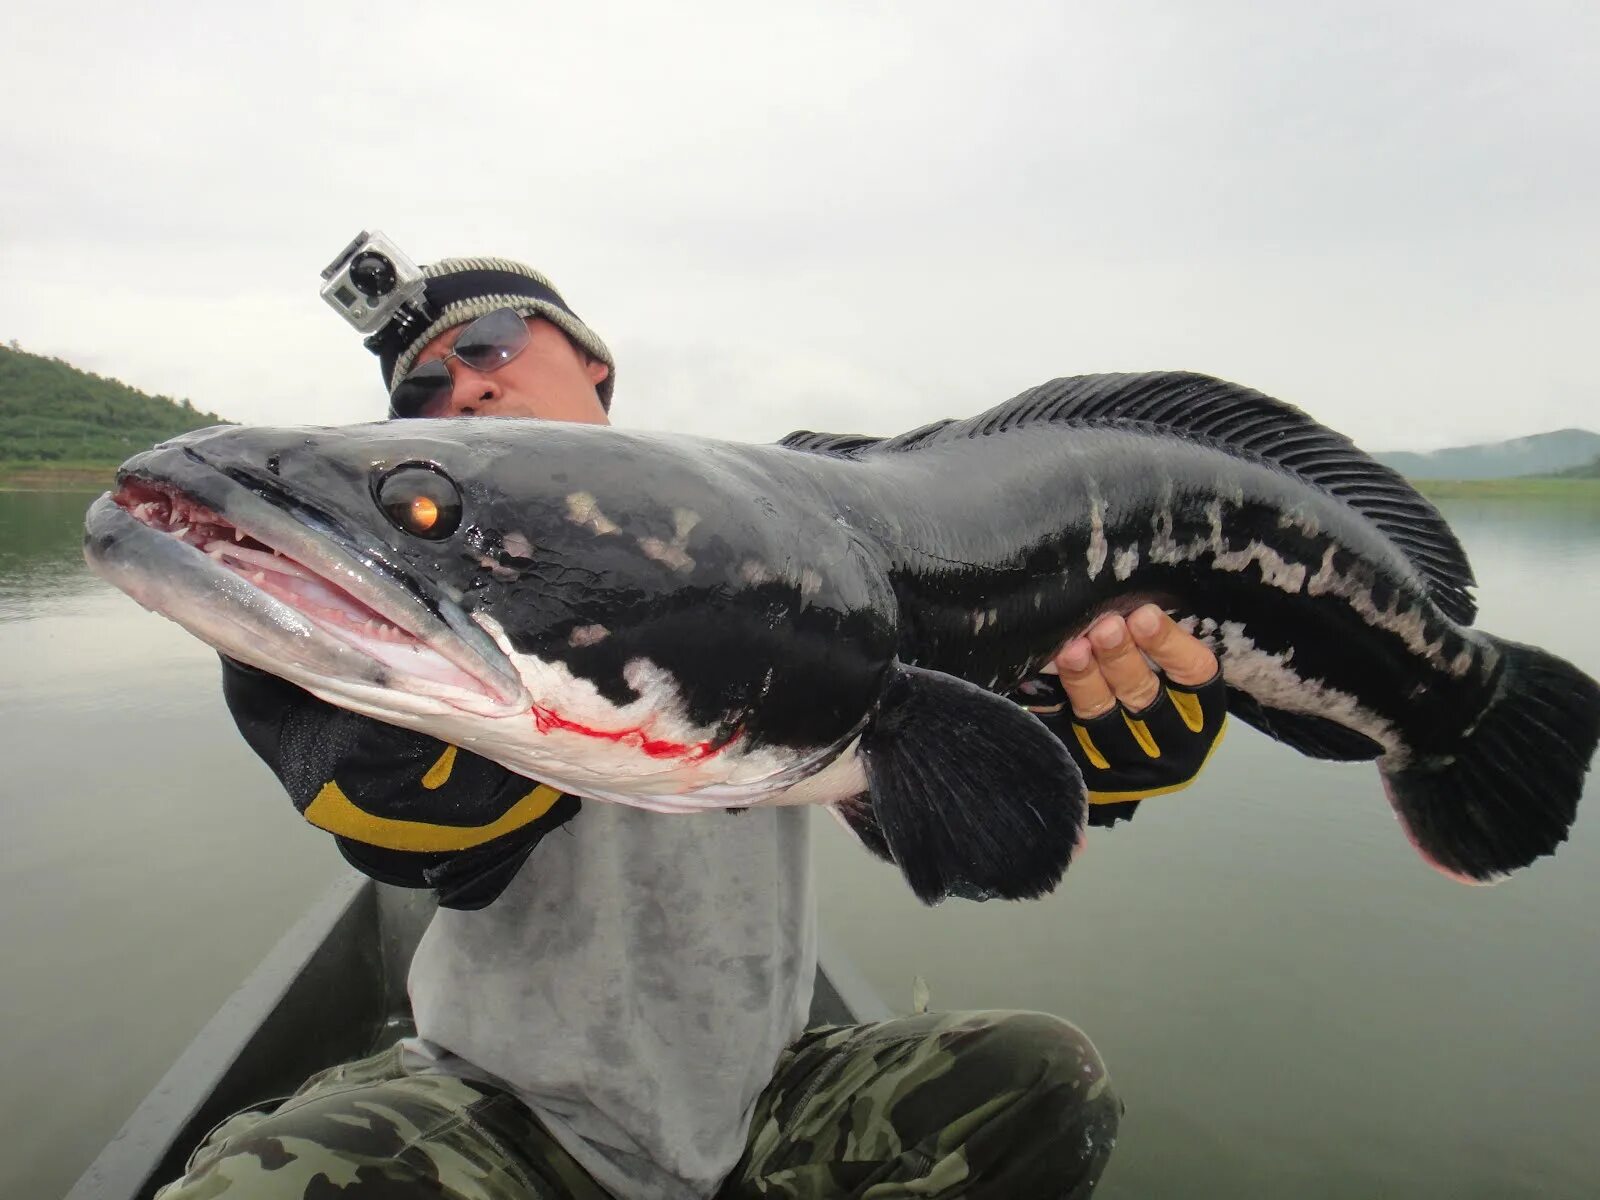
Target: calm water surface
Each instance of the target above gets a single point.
(1290, 1002)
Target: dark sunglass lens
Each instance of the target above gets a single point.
(492, 340)
(423, 392)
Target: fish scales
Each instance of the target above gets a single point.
(680, 623)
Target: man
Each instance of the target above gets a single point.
(611, 1001)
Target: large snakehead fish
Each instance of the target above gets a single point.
(681, 623)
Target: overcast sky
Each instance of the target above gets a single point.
(835, 216)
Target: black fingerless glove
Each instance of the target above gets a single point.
(1128, 757)
(404, 808)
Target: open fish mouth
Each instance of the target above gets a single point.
(262, 586)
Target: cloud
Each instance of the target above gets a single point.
(857, 215)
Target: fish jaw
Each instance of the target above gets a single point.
(255, 584)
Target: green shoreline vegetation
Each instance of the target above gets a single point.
(1570, 489)
(23, 476)
(63, 430)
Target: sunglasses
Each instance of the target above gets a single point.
(487, 344)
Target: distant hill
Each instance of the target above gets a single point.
(1587, 471)
(51, 412)
(1541, 454)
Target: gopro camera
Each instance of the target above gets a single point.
(371, 282)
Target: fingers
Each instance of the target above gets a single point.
(1109, 666)
(1087, 690)
(1104, 669)
(1183, 658)
(1123, 664)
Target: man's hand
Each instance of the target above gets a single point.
(1109, 665)
(1133, 733)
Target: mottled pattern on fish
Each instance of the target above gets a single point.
(679, 623)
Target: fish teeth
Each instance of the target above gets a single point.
(238, 534)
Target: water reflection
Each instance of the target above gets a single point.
(40, 559)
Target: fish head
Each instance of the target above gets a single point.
(606, 611)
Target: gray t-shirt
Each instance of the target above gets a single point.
(634, 985)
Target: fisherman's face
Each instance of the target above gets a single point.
(550, 379)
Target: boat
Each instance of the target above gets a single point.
(333, 989)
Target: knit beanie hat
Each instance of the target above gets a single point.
(459, 290)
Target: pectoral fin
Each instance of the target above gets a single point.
(972, 795)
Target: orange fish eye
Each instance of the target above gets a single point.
(424, 514)
(421, 500)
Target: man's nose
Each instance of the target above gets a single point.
(471, 391)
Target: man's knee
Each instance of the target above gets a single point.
(1060, 1052)
(1047, 1110)
(398, 1138)
(268, 1168)
(1039, 1059)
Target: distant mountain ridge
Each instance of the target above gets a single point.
(1562, 451)
(52, 412)
(1587, 471)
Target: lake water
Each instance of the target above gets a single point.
(1290, 1003)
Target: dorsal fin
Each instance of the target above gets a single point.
(842, 445)
(1240, 421)
(851, 445)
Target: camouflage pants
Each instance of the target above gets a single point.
(1012, 1105)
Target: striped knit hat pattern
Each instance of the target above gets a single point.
(459, 290)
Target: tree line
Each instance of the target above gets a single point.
(50, 411)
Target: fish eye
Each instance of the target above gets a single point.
(421, 500)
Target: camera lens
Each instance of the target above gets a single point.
(373, 274)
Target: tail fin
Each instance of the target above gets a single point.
(1510, 792)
